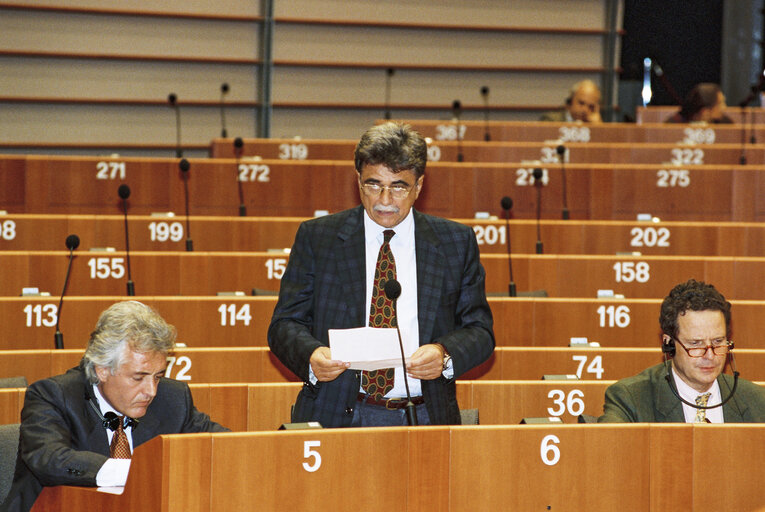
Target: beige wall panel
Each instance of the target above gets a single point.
(339, 85)
(156, 125)
(126, 35)
(141, 80)
(355, 44)
(227, 7)
(534, 13)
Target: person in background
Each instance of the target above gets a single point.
(582, 104)
(704, 104)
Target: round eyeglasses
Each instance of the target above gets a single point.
(375, 189)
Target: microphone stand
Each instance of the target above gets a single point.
(456, 112)
(538, 185)
(185, 166)
(223, 92)
(392, 290)
(238, 148)
(124, 193)
(506, 205)
(561, 150)
(72, 242)
(388, 77)
(173, 100)
(485, 95)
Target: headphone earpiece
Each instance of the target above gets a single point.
(668, 346)
(569, 99)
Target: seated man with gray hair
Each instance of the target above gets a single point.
(80, 428)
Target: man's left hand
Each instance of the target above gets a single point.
(426, 363)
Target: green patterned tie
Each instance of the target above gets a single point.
(377, 383)
(701, 414)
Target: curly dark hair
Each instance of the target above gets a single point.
(691, 295)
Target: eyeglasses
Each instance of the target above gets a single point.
(699, 349)
(375, 189)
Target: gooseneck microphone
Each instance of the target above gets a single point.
(124, 192)
(672, 388)
(538, 173)
(72, 243)
(238, 148)
(173, 100)
(507, 205)
(456, 113)
(223, 92)
(388, 81)
(392, 291)
(561, 150)
(485, 96)
(184, 166)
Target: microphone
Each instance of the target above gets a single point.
(184, 166)
(124, 192)
(72, 242)
(392, 289)
(388, 78)
(507, 204)
(456, 112)
(238, 148)
(672, 388)
(110, 420)
(173, 100)
(223, 92)
(561, 150)
(485, 96)
(538, 185)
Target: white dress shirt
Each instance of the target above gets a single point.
(403, 249)
(114, 472)
(689, 394)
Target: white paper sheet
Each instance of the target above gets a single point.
(366, 348)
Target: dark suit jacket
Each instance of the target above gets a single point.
(646, 397)
(324, 287)
(63, 441)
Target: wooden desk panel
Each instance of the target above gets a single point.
(206, 273)
(208, 322)
(631, 151)
(299, 188)
(47, 232)
(577, 467)
(257, 364)
(653, 130)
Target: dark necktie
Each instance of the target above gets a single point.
(378, 383)
(120, 448)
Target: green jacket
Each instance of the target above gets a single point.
(646, 397)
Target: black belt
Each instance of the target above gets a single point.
(389, 403)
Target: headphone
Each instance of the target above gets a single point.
(110, 420)
(668, 349)
(668, 346)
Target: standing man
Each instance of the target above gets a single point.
(338, 263)
(582, 105)
(695, 324)
(80, 428)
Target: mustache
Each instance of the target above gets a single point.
(386, 209)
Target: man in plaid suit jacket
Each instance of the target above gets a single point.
(325, 286)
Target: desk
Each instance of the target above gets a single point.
(650, 129)
(524, 467)
(683, 191)
(47, 232)
(258, 364)
(209, 322)
(207, 273)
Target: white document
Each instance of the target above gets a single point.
(366, 348)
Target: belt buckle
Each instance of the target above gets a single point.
(390, 401)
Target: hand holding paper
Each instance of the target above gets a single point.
(366, 348)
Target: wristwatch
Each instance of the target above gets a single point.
(447, 356)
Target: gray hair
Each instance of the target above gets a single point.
(125, 324)
(395, 145)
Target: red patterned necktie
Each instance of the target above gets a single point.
(377, 383)
(120, 448)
